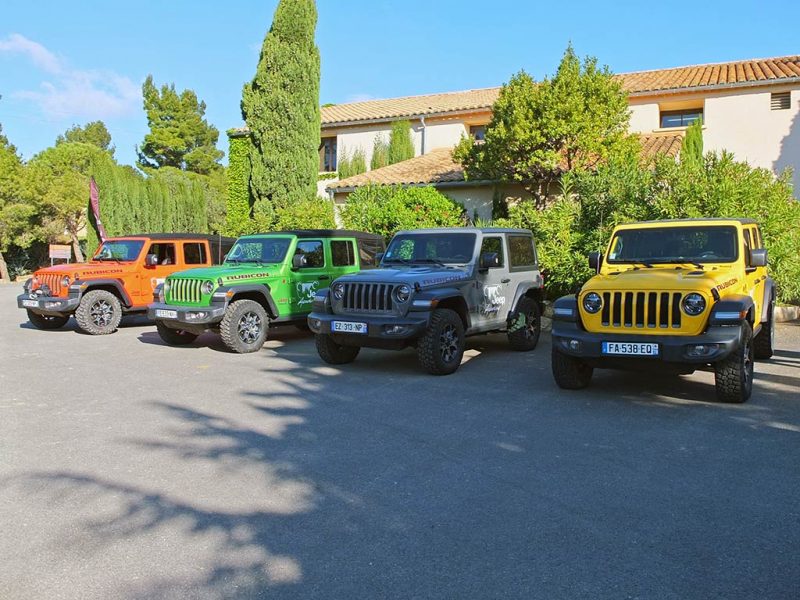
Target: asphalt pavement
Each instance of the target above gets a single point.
(130, 469)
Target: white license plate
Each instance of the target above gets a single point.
(166, 314)
(31, 303)
(349, 327)
(630, 348)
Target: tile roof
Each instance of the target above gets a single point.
(696, 77)
(438, 166)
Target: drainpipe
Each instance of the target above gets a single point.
(422, 145)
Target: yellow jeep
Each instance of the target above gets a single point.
(678, 295)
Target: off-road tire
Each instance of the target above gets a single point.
(47, 321)
(175, 337)
(569, 372)
(733, 375)
(333, 353)
(764, 342)
(99, 312)
(441, 347)
(244, 327)
(526, 339)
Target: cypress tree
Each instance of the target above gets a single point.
(400, 145)
(692, 146)
(380, 153)
(281, 108)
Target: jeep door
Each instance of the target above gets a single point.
(166, 263)
(756, 277)
(522, 264)
(492, 294)
(307, 279)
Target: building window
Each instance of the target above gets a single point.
(680, 118)
(478, 132)
(327, 154)
(780, 101)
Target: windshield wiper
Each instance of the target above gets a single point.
(433, 261)
(647, 264)
(402, 261)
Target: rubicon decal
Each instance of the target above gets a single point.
(245, 276)
(727, 284)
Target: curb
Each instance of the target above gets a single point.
(786, 313)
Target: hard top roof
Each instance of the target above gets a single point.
(174, 236)
(691, 221)
(324, 233)
(483, 230)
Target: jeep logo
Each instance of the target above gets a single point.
(306, 291)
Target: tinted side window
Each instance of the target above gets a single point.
(194, 254)
(521, 251)
(494, 244)
(343, 253)
(165, 253)
(313, 252)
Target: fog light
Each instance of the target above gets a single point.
(700, 350)
(575, 345)
(316, 324)
(193, 316)
(394, 329)
(52, 304)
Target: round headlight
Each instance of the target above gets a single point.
(693, 304)
(592, 303)
(208, 287)
(65, 281)
(338, 290)
(402, 293)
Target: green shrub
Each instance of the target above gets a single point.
(352, 165)
(401, 147)
(387, 209)
(380, 153)
(314, 213)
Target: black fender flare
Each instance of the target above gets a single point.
(566, 309)
(441, 295)
(261, 289)
(90, 284)
(770, 293)
(731, 310)
(522, 290)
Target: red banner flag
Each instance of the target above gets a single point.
(94, 198)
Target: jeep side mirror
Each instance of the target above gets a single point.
(299, 261)
(595, 260)
(150, 261)
(758, 258)
(489, 260)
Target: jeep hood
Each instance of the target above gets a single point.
(93, 269)
(425, 276)
(667, 277)
(229, 272)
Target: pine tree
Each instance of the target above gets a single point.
(95, 133)
(281, 108)
(400, 145)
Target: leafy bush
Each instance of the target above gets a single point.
(313, 213)
(380, 153)
(352, 165)
(401, 147)
(387, 209)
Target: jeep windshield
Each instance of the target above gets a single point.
(259, 250)
(446, 248)
(119, 250)
(660, 245)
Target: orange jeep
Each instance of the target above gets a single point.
(119, 279)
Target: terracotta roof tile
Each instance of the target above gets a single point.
(744, 72)
(438, 166)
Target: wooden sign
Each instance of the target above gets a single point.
(60, 251)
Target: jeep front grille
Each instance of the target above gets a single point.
(185, 290)
(641, 309)
(52, 281)
(367, 297)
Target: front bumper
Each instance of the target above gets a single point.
(672, 348)
(186, 315)
(384, 328)
(48, 305)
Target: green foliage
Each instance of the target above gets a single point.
(179, 135)
(624, 190)
(238, 221)
(352, 165)
(380, 153)
(94, 133)
(387, 209)
(312, 213)
(401, 147)
(281, 108)
(17, 216)
(692, 146)
(576, 120)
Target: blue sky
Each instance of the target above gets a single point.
(63, 63)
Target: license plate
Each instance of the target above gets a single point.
(166, 314)
(30, 303)
(630, 348)
(349, 327)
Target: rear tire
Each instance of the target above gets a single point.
(526, 337)
(244, 326)
(99, 312)
(47, 321)
(764, 342)
(569, 372)
(733, 375)
(441, 347)
(175, 337)
(333, 353)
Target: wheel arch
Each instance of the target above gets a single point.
(457, 304)
(258, 293)
(109, 285)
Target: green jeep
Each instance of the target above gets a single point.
(265, 279)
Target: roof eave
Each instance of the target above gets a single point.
(715, 87)
(411, 116)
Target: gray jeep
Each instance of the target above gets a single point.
(434, 287)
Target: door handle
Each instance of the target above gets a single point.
(506, 280)
(324, 277)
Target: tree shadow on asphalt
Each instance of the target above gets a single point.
(213, 341)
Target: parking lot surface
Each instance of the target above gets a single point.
(130, 469)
